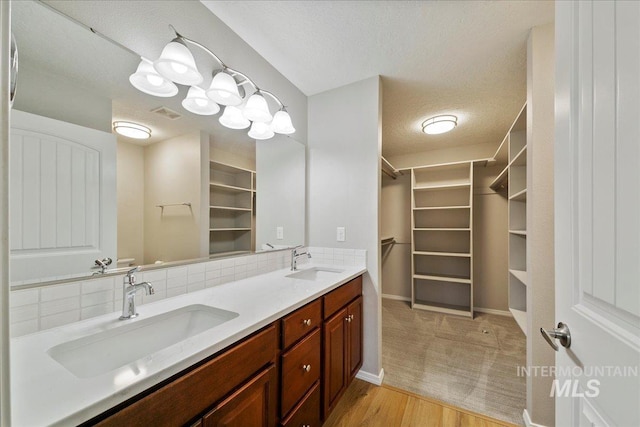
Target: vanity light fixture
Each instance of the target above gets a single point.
(146, 79)
(439, 124)
(132, 130)
(198, 103)
(227, 88)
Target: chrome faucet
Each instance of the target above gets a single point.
(295, 255)
(129, 289)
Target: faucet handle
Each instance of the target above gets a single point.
(133, 270)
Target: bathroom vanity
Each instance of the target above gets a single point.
(285, 359)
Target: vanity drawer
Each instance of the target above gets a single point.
(338, 298)
(307, 412)
(301, 322)
(300, 369)
(184, 398)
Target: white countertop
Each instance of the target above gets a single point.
(43, 392)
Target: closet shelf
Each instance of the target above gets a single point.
(520, 318)
(437, 187)
(229, 188)
(460, 310)
(387, 241)
(518, 232)
(231, 229)
(441, 229)
(520, 159)
(449, 254)
(435, 208)
(501, 181)
(230, 208)
(521, 275)
(443, 278)
(520, 196)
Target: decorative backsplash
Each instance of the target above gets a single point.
(47, 307)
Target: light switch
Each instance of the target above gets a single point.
(279, 233)
(341, 234)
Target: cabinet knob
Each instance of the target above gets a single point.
(306, 368)
(307, 322)
(349, 318)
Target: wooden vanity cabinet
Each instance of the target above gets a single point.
(342, 337)
(183, 399)
(300, 366)
(291, 373)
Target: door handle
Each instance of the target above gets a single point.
(561, 333)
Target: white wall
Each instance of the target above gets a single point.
(173, 175)
(344, 143)
(57, 97)
(130, 193)
(280, 191)
(540, 234)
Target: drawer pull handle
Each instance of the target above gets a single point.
(307, 322)
(306, 368)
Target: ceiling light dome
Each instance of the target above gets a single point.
(224, 89)
(233, 118)
(257, 109)
(260, 130)
(146, 79)
(131, 130)
(282, 123)
(177, 64)
(197, 102)
(439, 124)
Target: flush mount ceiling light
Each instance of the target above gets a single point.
(132, 130)
(439, 124)
(177, 65)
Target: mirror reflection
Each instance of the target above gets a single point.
(82, 194)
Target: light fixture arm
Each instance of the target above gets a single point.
(275, 98)
(195, 43)
(234, 73)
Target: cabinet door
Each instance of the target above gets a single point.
(335, 363)
(254, 404)
(354, 345)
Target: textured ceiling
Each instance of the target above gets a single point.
(466, 58)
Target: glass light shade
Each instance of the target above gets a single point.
(146, 79)
(439, 124)
(233, 118)
(260, 130)
(132, 130)
(257, 109)
(198, 103)
(224, 89)
(177, 64)
(282, 123)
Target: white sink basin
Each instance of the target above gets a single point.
(316, 273)
(105, 351)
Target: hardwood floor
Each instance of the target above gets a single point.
(365, 404)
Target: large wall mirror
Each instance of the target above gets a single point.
(81, 193)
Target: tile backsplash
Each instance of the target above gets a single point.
(46, 307)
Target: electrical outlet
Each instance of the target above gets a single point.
(341, 234)
(279, 233)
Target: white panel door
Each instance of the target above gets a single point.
(597, 203)
(62, 197)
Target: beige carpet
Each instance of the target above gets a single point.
(467, 363)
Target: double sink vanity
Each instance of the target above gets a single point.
(273, 349)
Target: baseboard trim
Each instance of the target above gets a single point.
(371, 378)
(493, 311)
(396, 297)
(527, 420)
